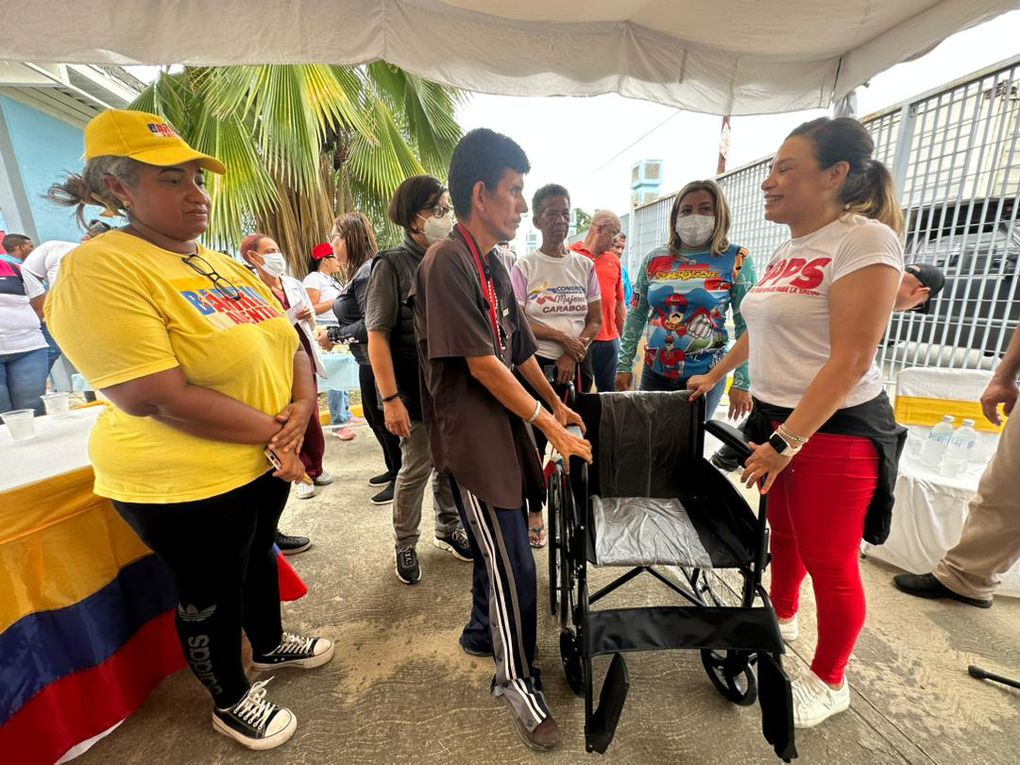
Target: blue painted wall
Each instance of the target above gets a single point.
(45, 149)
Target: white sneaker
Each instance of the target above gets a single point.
(789, 631)
(814, 701)
(306, 490)
(254, 721)
(325, 478)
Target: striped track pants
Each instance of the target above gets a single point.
(504, 581)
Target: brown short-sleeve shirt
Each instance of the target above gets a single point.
(469, 430)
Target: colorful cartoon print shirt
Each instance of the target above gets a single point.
(680, 303)
(124, 309)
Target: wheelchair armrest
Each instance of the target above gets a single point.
(731, 437)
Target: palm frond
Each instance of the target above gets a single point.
(304, 143)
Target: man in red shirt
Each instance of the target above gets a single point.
(605, 348)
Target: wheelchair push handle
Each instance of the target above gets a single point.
(731, 437)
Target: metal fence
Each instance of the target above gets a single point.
(954, 155)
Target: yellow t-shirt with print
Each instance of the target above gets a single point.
(124, 309)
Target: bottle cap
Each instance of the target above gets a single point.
(968, 423)
(947, 418)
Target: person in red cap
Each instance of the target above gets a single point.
(323, 289)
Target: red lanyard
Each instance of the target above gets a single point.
(487, 285)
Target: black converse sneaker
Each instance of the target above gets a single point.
(296, 651)
(255, 722)
(456, 544)
(408, 568)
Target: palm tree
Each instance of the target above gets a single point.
(303, 143)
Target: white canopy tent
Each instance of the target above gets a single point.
(724, 57)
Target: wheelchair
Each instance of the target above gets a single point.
(650, 501)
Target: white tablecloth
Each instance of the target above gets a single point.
(60, 446)
(929, 514)
(341, 374)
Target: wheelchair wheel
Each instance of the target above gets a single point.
(732, 676)
(570, 655)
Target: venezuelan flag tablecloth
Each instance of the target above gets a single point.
(86, 610)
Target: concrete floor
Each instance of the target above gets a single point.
(400, 690)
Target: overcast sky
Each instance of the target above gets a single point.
(590, 144)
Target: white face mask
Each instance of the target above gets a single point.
(274, 264)
(695, 230)
(436, 228)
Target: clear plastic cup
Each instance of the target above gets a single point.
(57, 404)
(20, 423)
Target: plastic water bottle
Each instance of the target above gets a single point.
(960, 450)
(937, 443)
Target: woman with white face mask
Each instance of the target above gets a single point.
(686, 288)
(261, 252)
(420, 206)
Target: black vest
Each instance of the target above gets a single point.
(404, 261)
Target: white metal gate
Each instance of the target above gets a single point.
(954, 155)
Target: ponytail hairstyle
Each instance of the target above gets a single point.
(356, 231)
(868, 189)
(89, 186)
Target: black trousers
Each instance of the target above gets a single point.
(504, 601)
(219, 552)
(376, 421)
(550, 364)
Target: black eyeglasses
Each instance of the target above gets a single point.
(438, 211)
(224, 285)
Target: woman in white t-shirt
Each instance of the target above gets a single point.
(827, 441)
(559, 293)
(23, 356)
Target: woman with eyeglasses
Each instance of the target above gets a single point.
(559, 293)
(354, 246)
(207, 381)
(420, 206)
(323, 286)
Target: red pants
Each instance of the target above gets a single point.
(816, 509)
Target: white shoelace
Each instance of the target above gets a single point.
(293, 644)
(254, 709)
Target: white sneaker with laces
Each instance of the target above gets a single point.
(814, 701)
(306, 490)
(789, 631)
(254, 721)
(325, 478)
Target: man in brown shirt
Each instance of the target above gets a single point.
(470, 334)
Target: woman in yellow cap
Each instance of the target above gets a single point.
(209, 386)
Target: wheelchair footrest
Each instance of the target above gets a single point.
(600, 729)
(775, 694)
(665, 627)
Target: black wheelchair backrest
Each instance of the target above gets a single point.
(641, 440)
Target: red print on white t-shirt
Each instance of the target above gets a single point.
(794, 275)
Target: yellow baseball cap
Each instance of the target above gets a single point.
(144, 137)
